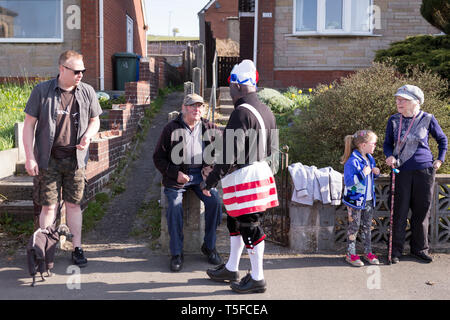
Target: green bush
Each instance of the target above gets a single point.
(107, 103)
(276, 101)
(362, 101)
(431, 52)
(437, 13)
(13, 99)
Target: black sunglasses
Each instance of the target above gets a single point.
(75, 71)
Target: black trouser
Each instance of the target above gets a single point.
(249, 227)
(413, 190)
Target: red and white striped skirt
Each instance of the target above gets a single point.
(250, 189)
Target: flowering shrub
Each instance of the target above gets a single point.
(288, 101)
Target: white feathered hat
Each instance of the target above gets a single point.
(244, 73)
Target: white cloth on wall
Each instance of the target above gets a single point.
(312, 184)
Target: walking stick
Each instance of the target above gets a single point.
(391, 224)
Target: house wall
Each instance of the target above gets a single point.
(115, 28)
(169, 49)
(218, 17)
(247, 27)
(307, 61)
(115, 37)
(20, 60)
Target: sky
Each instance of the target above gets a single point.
(164, 15)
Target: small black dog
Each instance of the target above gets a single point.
(41, 250)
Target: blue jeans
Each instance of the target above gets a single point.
(174, 213)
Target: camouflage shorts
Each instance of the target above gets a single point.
(61, 173)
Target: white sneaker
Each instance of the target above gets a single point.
(354, 260)
(371, 258)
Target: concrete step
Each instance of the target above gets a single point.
(224, 94)
(17, 188)
(224, 89)
(20, 168)
(223, 119)
(226, 109)
(19, 210)
(225, 100)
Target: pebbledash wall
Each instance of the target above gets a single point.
(305, 61)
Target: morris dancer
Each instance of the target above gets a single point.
(247, 181)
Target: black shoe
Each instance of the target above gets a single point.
(422, 256)
(248, 285)
(221, 273)
(176, 263)
(213, 255)
(78, 257)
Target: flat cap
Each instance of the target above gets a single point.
(410, 92)
(191, 99)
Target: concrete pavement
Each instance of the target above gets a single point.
(132, 271)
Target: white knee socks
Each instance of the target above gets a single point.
(256, 259)
(236, 247)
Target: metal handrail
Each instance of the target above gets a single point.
(213, 98)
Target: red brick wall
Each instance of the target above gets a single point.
(115, 27)
(218, 17)
(137, 92)
(153, 71)
(265, 61)
(108, 147)
(115, 40)
(89, 42)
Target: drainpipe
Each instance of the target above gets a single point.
(101, 47)
(255, 35)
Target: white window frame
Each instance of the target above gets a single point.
(320, 28)
(40, 40)
(130, 36)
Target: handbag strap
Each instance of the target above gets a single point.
(260, 120)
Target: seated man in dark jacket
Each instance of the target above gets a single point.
(179, 158)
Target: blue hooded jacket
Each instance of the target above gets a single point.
(356, 189)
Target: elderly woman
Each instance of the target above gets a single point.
(406, 148)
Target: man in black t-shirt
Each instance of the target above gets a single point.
(61, 117)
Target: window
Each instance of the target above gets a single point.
(31, 21)
(332, 17)
(130, 34)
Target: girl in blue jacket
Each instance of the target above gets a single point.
(360, 172)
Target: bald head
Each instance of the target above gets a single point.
(238, 91)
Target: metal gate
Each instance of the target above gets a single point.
(225, 65)
(276, 221)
